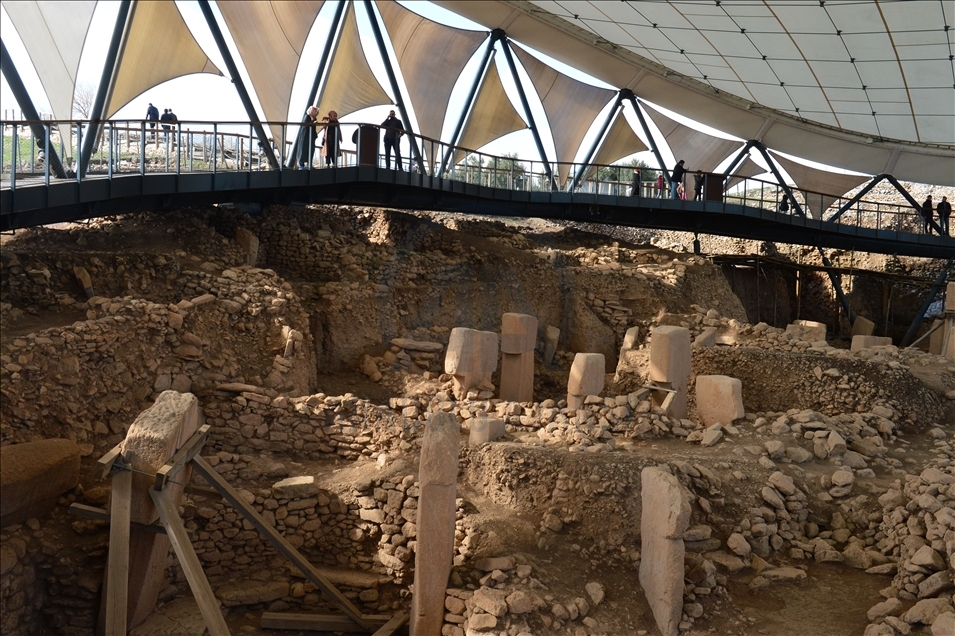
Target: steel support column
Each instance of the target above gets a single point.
(939, 282)
(782, 183)
(98, 112)
(468, 102)
(858, 197)
(593, 149)
(626, 93)
(836, 280)
(399, 102)
(239, 84)
(40, 134)
(322, 65)
(743, 152)
(506, 47)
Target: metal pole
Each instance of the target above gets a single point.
(626, 93)
(593, 149)
(20, 93)
(782, 183)
(468, 102)
(739, 157)
(527, 108)
(105, 84)
(399, 102)
(836, 281)
(322, 64)
(928, 302)
(237, 80)
(864, 191)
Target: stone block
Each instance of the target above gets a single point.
(862, 327)
(950, 297)
(937, 338)
(719, 398)
(864, 342)
(551, 337)
(33, 475)
(249, 242)
(517, 377)
(630, 339)
(669, 354)
(706, 339)
(665, 516)
(587, 374)
(437, 477)
(807, 330)
(485, 429)
(518, 333)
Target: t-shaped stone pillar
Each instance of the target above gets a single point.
(586, 378)
(471, 359)
(518, 340)
(437, 479)
(670, 365)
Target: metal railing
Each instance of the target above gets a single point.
(146, 147)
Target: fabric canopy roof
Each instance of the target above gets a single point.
(748, 168)
(829, 185)
(154, 27)
(570, 106)
(53, 34)
(431, 57)
(620, 142)
(270, 37)
(700, 150)
(492, 116)
(350, 85)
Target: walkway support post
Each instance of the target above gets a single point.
(322, 64)
(782, 182)
(98, 113)
(626, 93)
(836, 280)
(239, 84)
(593, 149)
(527, 108)
(864, 191)
(939, 282)
(41, 135)
(482, 69)
(399, 101)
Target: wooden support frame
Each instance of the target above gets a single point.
(117, 579)
(99, 514)
(183, 456)
(386, 626)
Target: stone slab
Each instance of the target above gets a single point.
(418, 345)
(587, 374)
(517, 377)
(807, 330)
(551, 338)
(630, 339)
(33, 475)
(719, 399)
(437, 478)
(669, 354)
(518, 333)
(862, 327)
(249, 243)
(471, 352)
(485, 429)
(864, 342)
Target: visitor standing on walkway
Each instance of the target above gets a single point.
(306, 138)
(926, 213)
(784, 204)
(152, 116)
(635, 188)
(333, 139)
(393, 130)
(698, 180)
(944, 210)
(676, 178)
(660, 183)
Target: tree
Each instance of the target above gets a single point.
(623, 172)
(83, 97)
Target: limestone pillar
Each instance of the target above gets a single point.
(471, 358)
(719, 399)
(485, 429)
(518, 340)
(152, 439)
(437, 480)
(586, 378)
(664, 517)
(670, 365)
(250, 243)
(33, 475)
(862, 327)
(551, 337)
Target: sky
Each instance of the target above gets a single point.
(206, 97)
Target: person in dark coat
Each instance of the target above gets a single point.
(676, 178)
(333, 139)
(784, 204)
(166, 118)
(306, 138)
(698, 180)
(393, 130)
(152, 116)
(635, 187)
(944, 210)
(926, 212)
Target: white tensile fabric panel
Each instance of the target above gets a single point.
(270, 37)
(158, 47)
(748, 168)
(351, 85)
(701, 151)
(620, 142)
(492, 116)
(53, 34)
(830, 185)
(570, 106)
(431, 57)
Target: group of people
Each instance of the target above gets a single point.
(944, 211)
(168, 118)
(677, 176)
(329, 130)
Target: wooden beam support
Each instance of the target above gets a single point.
(667, 401)
(391, 627)
(321, 622)
(117, 579)
(183, 456)
(229, 493)
(208, 604)
(99, 514)
(106, 461)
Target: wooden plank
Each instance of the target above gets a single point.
(117, 577)
(643, 393)
(320, 622)
(228, 492)
(98, 514)
(201, 491)
(106, 461)
(208, 604)
(667, 401)
(183, 456)
(654, 387)
(392, 626)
